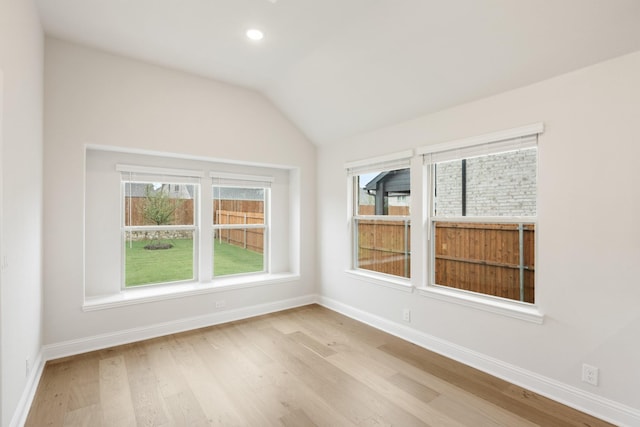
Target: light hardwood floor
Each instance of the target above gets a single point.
(302, 367)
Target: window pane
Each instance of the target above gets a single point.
(158, 256)
(159, 203)
(384, 193)
(383, 246)
(237, 251)
(502, 184)
(238, 205)
(492, 259)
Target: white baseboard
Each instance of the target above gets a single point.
(97, 342)
(24, 404)
(581, 400)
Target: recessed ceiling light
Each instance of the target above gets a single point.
(255, 34)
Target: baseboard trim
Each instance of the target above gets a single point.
(24, 404)
(98, 342)
(576, 398)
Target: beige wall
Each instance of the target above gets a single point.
(21, 57)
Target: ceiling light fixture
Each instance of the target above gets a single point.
(255, 34)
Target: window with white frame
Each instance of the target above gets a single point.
(240, 224)
(380, 214)
(157, 224)
(482, 212)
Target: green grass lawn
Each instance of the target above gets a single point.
(230, 259)
(145, 267)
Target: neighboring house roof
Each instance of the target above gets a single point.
(175, 191)
(238, 193)
(395, 182)
(186, 191)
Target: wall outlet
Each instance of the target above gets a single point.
(27, 365)
(406, 315)
(221, 304)
(589, 374)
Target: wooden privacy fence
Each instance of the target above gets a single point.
(384, 246)
(233, 205)
(393, 210)
(247, 238)
(226, 211)
(493, 259)
(183, 215)
(231, 211)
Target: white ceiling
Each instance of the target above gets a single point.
(341, 67)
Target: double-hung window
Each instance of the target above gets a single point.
(482, 212)
(240, 223)
(380, 214)
(159, 225)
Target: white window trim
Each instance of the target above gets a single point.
(494, 143)
(386, 162)
(393, 161)
(149, 170)
(489, 138)
(166, 291)
(230, 177)
(199, 174)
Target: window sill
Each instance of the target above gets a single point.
(380, 279)
(180, 290)
(513, 309)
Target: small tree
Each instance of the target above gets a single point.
(159, 209)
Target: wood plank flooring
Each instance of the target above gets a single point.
(302, 367)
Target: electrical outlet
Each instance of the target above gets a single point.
(221, 304)
(590, 374)
(27, 364)
(406, 315)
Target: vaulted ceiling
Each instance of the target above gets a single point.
(341, 67)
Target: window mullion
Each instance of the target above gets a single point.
(205, 235)
(266, 239)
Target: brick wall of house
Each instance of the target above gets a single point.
(506, 180)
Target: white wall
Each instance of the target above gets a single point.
(96, 98)
(21, 58)
(588, 253)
